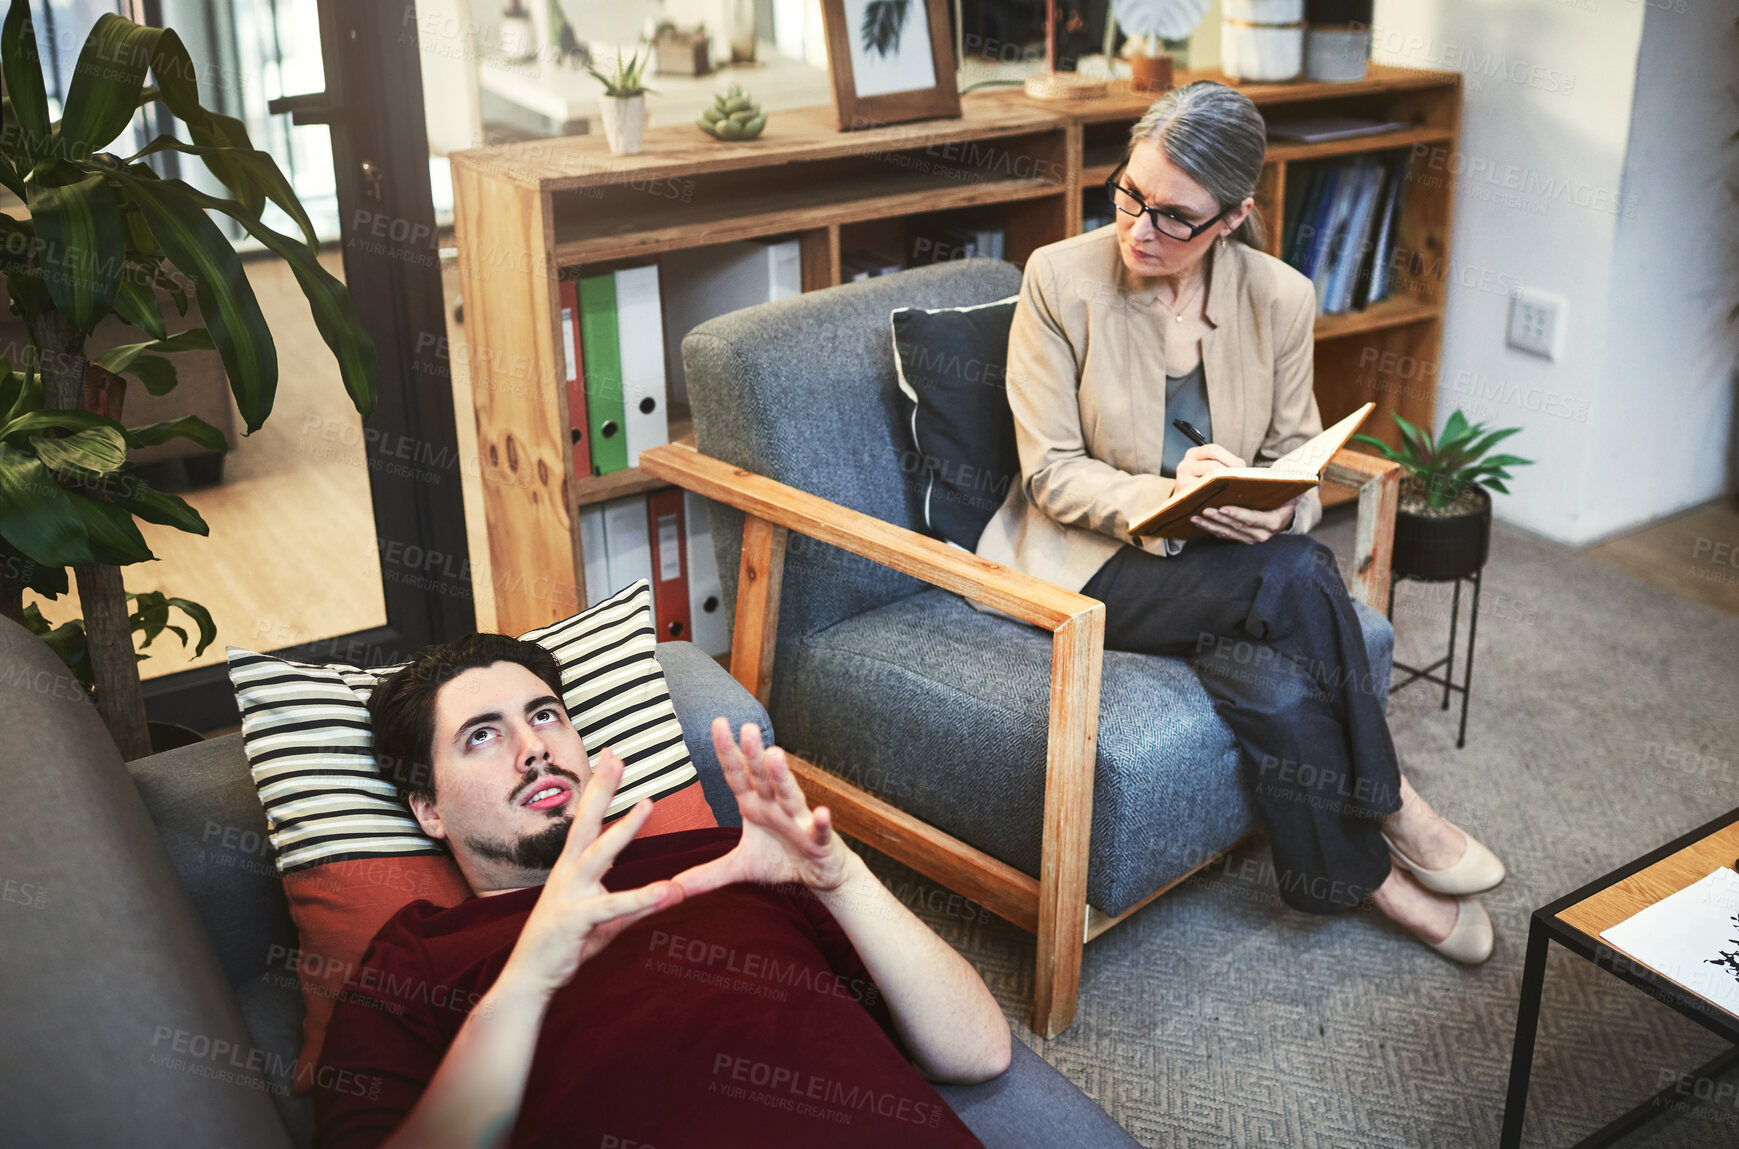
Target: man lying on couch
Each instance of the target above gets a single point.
(716, 987)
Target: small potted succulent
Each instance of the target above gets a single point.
(1443, 522)
(623, 103)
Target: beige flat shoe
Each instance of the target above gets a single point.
(1472, 939)
(1477, 870)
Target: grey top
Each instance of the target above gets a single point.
(1186, 398)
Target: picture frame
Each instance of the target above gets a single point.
(892, 62)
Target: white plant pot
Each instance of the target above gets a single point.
(624, 122)
(1266, 53)
(1263, 11)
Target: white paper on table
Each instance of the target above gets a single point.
(1691, 937)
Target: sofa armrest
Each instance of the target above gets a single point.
(701, 690)
(1378, 482)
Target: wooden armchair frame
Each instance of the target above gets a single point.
(1054, 907)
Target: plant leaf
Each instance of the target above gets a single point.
(152, 615)
(202, 619)
(93, 451)
(83, 251)
(1454, 426)
(1387, 451)
(43, 419)
(155, 372)
(328, 299)
(154, 506)
(1419, 440)
(136, 302)
(187, 427)
(115, 539)
(104, 91)
(9, 176)
(22, 68)
(119, 359)
(261, 171)
(36, 514)
(232, 314)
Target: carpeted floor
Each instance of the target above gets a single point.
(1217, 1017)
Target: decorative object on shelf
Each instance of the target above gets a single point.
(516, 35)
(564, 40)
(623, 104)
(734, 115)
(891, 62)
(1337, 40)
(681, 51)
(1443, 527)
(1054, 85)
(107, 236)
(1262, 40)
(1149, 26)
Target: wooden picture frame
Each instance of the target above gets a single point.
(870, 96)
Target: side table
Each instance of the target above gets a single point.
(1576, 921)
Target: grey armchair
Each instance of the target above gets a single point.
(1061, 786)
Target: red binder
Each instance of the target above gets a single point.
(669, 537)
(575, 378)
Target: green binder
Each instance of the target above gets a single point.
(601, 353)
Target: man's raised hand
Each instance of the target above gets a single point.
(575, 916)
(783, 839)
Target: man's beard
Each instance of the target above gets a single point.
(537, 851)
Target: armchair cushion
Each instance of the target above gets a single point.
(957, 736)
(952, 364)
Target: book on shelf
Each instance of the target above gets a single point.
(1321, 129)
(601, 362)
(702, 283)
(709, 621)
(576, 386)
(865, 264)
(1258, 488)
(1342, 223)
(627, 548)
(594, 552)
(640, 343)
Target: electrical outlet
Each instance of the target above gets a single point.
(1537, 320)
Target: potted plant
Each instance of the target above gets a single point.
(105, 234)
(623, 104)
(1443, 521)
(150, 618)
(1149, 26)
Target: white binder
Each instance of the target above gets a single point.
(625, 539)
(704, 282)
(709, 618)
(640, 330)
(595, 552)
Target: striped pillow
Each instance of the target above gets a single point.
(305, 729)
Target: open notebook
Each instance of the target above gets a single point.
(1258, 488)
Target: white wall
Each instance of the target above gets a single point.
(1544, 196)
(1666, 400)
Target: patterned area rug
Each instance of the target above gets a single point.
(1604, 723)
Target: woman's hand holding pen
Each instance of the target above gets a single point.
(1239, 524)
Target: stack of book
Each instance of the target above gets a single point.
(942, 242)
(1342, 222)
(864, 264)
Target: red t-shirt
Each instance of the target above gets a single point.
(740, 1017)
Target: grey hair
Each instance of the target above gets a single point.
(1216, 137)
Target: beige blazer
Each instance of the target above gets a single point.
(1086, 383)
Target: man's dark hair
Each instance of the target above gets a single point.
(402, 707)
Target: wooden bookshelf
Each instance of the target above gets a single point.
(528, 214)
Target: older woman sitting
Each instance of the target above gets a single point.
(1173, 313)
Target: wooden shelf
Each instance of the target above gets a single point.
(526, 213)
(1388, 313)
(632, 481)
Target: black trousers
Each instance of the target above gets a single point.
(1273, 637)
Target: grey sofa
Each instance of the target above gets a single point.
(897, 693)
(144, 999)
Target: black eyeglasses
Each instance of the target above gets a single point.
(1166, 224)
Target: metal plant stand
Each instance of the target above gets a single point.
(1447, 662)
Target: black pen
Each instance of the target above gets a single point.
(1189, 429)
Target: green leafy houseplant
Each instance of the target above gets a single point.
(105, 235)
(625, 79)
(1442, 470)
(150, 618)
